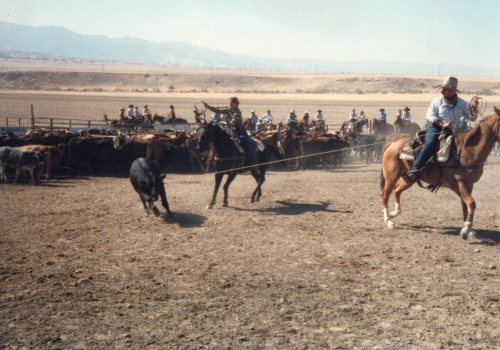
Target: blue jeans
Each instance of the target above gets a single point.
(431, 146)
(247, 145)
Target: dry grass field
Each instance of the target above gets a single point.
(336, 107)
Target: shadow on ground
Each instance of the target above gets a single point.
(486, 237)
(291, 208)
(185, 220)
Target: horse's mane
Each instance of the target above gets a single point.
(472, 136)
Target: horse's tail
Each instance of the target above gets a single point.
(274, 151)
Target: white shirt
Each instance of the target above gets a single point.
(254, 118)
(267, 118)
(130, 113)
(146, 111)
(319, 116)
(291, 118)
(406, 116)
(439, 110)
(353, 116)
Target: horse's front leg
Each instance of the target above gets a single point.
(256, 175)
(230, 179)
(465, 192)
(218, 180)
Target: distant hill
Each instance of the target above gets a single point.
(61, 42)
(240, 82)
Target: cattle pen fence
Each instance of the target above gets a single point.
(20, 125)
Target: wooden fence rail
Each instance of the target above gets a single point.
(52, 124)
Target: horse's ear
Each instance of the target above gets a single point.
(497, 111)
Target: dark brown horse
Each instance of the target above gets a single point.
(381, 129)
(168, 120)
(404, 127)
(463, 169)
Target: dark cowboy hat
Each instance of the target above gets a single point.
(171, 106)
(319, 111)
(381, 110)
(406, 108)
(450, 83)
(130, 106)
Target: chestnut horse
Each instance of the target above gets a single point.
(463, 169)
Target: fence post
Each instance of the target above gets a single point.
(89, 124)
(7, 122)
(51, 125)
(370, 124)
(70, 124)
(32, 118)
(19, 122)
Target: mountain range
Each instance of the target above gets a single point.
(61, 42)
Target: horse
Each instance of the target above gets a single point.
(381, 129)
(404, 127)
(228, 157)
(167, 120)
(462, 170)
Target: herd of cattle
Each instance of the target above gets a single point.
(101, 152)
(43, 155)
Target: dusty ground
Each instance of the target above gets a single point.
(310, 266)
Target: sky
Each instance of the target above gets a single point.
(435, 32)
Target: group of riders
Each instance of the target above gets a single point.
(357, 123)
(254, 124)
(134, 115)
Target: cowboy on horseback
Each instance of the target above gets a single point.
(235, 121)
(406, 115)
(445, 114)
(382, 117)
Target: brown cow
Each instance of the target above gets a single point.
(53, 156)
(330, 147)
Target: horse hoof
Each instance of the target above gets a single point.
(390, 225)
(394, 213)
(225, 205)
(464, 232)
(252, 200)
(473, 235)
(209, 206)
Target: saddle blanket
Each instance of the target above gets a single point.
(413, 147)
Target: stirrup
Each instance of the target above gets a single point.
(412, 175)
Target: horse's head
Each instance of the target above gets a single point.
(206, 136)
(496, 126)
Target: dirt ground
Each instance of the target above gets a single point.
(310, 266)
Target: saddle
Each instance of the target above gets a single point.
(415, 144)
